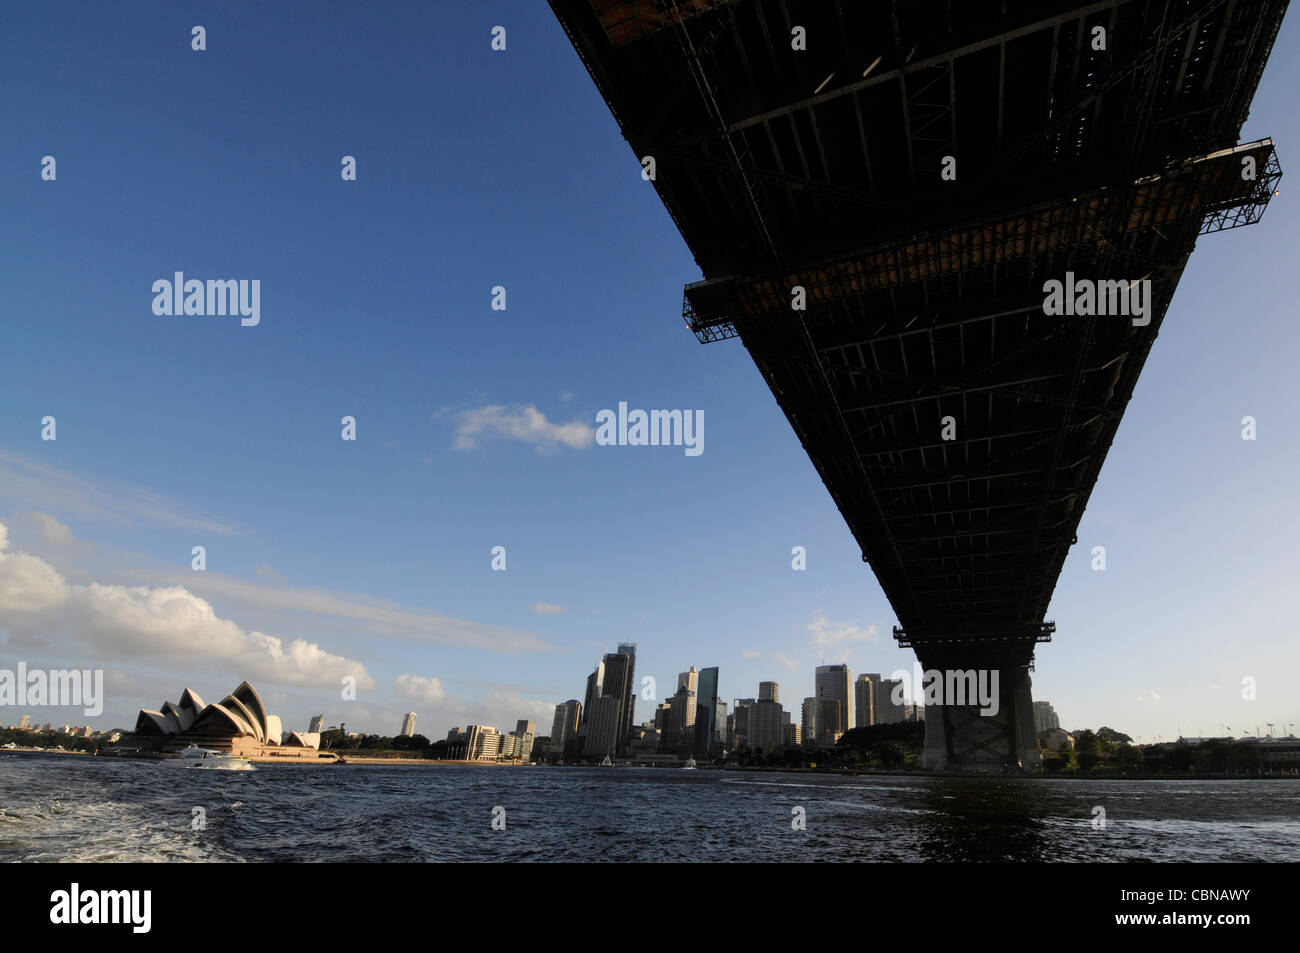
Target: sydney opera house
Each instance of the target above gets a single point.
(238, 724)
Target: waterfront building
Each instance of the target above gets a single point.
(892, 707)
(604, 724)
(1045, 718)
(482, 743)
(565, 726)
(835, 682)
(317, 723)
(408, 725)
(239, 725)
(808, 723)
(864, 700)
(830, 719)
(706, 713)
(619, 670)
(628, 651)
(765, 725)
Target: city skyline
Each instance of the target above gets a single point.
(373, 558)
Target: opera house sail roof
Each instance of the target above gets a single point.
(238, 724)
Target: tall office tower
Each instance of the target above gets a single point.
(689, 679)
(793, 734)
(740, 724)
(317, 723)
(864, 702)
(769, 692)
(706, 712)
(628, 649)
(1045, 718)
(408, 724)
(809, 721)
(721, 720)
(565, 726)
(618, 684)
(595, 688)
(24, 722)
(892, 708)
(830, 716)
(877, 699)
(691, 682)
(682, 732)
(604, 726)
(836, 682)
(765, 723)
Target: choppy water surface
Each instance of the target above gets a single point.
(95, 809)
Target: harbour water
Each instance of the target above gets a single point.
(99, 809)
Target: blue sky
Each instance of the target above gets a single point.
(475, 169)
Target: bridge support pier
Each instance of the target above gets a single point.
(969, 738)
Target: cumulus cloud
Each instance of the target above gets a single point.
(520, 422)
(836, 633)
(547, 608)
(418, 688)
(160, 623)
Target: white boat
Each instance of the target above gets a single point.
(206, 758)
(689, 765)
(607, 763)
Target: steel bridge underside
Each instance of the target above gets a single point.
(821, 169)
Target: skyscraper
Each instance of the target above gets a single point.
(720, 719)
(565, 726)
(408, 724)
(877, 699)
(317, 722)
(1045, 718)
(595, 688)
(892, 708)
(864, 703)
(835, 682)
(829, 719)
(628, 649)
(766, 720)
(603, 727)
(706, 712)
(808, 723)
(618, 685)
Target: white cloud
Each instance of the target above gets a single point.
(749, 653)
(35, 483)
(265, 571)
(520, 422)
(56, 533)
(420, 689)
(42, 610)
(785, 660)
(547, 608)
(835, 633)
(373, 617)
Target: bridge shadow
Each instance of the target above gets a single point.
(983, 820)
